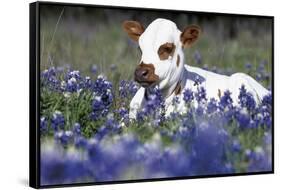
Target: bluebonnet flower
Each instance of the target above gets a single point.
(102, 131)
(154, 105)
(248, 154)
(72, 85)
(197, 81)
(248, 66)
(100, 105)
(123, 112)
(261, 66)
(212, 106)
(243, 119)
(73, 74)
(112, 124)
(254, 122)
(199, 111)
(236, 146)
(103, 98)
(57, 121)
(74, 82)
(199, 143)
(124, 115)
(201, 95)
(101, 85)
(265, 111)
(188, 95)
(87, 83)
(48, 73)
(122, 89)
(77, 129)
(258, 76)
(175, 101)
(127, 89)
(63, 137)
(80, 142)
(246, 99)
(226, 101)
(267, 119)
(50, 80)
(267, 100)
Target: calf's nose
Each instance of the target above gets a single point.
(141, 73)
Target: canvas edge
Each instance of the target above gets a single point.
(34, 82)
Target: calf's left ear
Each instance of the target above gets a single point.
(190, 35)
(134, 29)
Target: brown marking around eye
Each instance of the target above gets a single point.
(178, 60)
(166, 50)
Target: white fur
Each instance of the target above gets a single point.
(161, 31)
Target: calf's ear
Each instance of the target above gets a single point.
(134, 29)
(190, 35)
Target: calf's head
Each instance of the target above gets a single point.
(161, 45)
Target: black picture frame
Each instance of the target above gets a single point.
(34, 94)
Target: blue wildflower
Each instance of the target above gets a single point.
(188, 95)
(212, 106)
(201, 95)
(267, 100)
(57, 121)
(236, 146)
(226, 100)
(127, 89)
(246, 99)
(243, 119)
(248, 66)
(77, 129)
(64, 137)
(49, 79)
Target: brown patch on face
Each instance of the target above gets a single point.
(178, 89)
(166, 50)
(219, 93)
(178, 60)
(145, 74)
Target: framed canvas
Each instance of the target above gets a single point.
(120, 94)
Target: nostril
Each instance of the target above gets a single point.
(144, 73)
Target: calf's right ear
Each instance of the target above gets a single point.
(134, 29)
(190, 35)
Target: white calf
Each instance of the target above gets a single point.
(162, 64)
